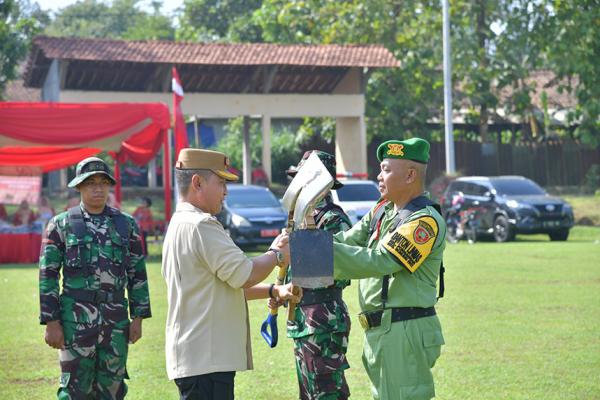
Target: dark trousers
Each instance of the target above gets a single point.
(145, 243)
(215, 386)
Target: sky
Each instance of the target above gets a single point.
(167, 8)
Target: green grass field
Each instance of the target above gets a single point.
(521, 321)
(585, 206)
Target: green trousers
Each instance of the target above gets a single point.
(398, 357)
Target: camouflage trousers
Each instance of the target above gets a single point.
(320, 364)
(93, 362)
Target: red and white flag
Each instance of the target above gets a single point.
(179, 128)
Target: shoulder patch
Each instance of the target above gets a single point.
(423, 232)
(411, 242)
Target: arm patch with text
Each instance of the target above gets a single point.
(412, 242)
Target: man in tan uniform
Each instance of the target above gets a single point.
(208, 281)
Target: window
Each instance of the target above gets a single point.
(359, 192)
(480, 190)
(456, 187)
(517, 187)
(251, 199)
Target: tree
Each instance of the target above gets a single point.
(496, 46)
(574, 53)
(218, 20)
(120, 20)
(19, 22)
(399, 101)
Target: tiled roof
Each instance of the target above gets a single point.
(546, 81)
(215, 53)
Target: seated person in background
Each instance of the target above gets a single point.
(45, 210)
(24, 215)
(259, 176)
(3, 214)
(143, 216)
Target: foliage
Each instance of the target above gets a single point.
(284, 147)
(574, 54)
(19, 22)
(218, 20)
(592, 178)
(120, 20)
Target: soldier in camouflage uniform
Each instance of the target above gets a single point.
(321, 322)
(99, 251)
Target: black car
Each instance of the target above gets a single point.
(251, 215)
(507, 205)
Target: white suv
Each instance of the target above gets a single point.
(357, 197)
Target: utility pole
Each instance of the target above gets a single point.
(449, 137)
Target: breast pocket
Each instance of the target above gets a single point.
(77, 253)
(120, 254)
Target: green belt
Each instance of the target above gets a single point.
(95, 296)
(372, 319)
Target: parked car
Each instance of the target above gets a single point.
(509, 205)
(251, 215)
(357, 197)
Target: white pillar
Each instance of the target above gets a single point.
(51, 93)
(247, 158)
(152, 174)
(63, 178)
(351, 145)
(51, 87)
(197, 133)
(266, 148)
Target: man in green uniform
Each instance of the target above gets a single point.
(99, 251)
(321, 322)
(396, 252)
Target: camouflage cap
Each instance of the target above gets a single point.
(88, 167)
(415, 149)
(327, 159)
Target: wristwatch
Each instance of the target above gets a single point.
(279, 255)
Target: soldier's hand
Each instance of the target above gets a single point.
(286, 292)
(54, 336)
(281, 240)
(275, 303)
(135, 330)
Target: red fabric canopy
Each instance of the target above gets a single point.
(56, 135)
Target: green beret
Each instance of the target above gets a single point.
(415, 149)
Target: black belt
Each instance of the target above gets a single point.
(320, 296)
(95, 296)
(372, 319)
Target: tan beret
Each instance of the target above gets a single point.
(205, 159)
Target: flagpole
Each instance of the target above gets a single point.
(179, 127)
(448, 129)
